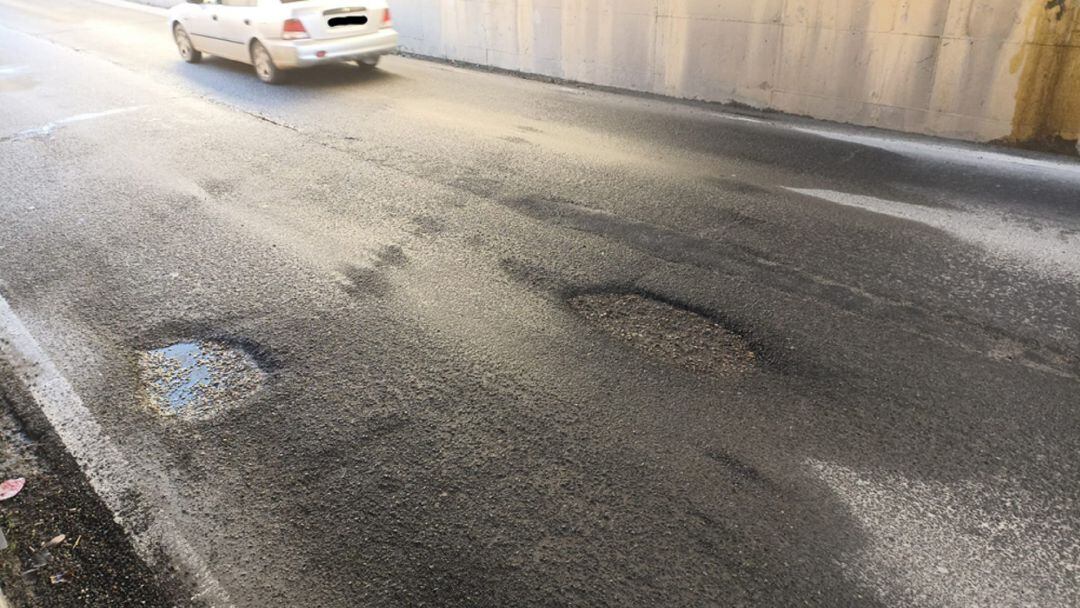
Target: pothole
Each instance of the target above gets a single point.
(668, 332)
(195, 380)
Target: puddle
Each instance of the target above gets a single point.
(195, 380)
(667, 332)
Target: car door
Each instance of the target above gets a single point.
(194, 17)
(235, 29)
(201, 27)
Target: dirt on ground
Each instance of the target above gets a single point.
(92, 564)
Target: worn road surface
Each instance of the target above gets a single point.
(525, 344)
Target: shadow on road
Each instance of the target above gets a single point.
(224, 76)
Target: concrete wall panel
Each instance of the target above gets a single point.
(972, 69)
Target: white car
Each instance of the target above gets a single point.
(274, 35)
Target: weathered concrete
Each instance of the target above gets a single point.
(979, 70)
(970, 69)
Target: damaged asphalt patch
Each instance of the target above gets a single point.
(667, 332)
(195, 380)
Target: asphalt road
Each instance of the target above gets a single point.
(527, 344)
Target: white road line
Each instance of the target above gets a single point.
(741, 118)
(11, 70)
(135, 6)
(108, 470)
(49, 127)
(953, 154)
(1038, 246)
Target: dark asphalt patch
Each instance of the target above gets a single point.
(742, 474)
(427, 225)
(195, 380)
(657, 241)
(361, 281)
(392, 255)
(668, 332)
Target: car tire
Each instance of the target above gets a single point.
(368, 63)
(183, 44)
(264, 64)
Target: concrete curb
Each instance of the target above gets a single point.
(36, 381)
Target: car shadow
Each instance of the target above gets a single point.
(227, 76)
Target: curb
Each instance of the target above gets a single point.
(38, 383)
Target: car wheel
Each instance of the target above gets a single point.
(368, 62)
(183, 44)
(264, 64)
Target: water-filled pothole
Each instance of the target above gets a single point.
(195, 380)
(667, 332)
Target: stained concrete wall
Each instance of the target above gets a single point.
(970, 69)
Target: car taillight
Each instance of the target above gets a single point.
(293, 30)
(386, 18)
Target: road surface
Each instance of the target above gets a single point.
(521, 343)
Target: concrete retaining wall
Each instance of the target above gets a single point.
(969, 69)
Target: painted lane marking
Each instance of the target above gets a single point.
(13, 70)
(135, 6)
(950, 154)
(741, 118)
(49, 127)
(109, 472)
(1049, 248)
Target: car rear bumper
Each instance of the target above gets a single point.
(303, 53)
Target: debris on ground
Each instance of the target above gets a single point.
(40, 566)
(11, 487)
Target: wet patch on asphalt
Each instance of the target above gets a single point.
(656, 241)
(668, 332)
(516, 140)
(742, 474)
(196, 380)
(217, 187)
(533, 275)
(391, 255)
(362, 281)
(427, 225)
(370, 280)
(739, 186)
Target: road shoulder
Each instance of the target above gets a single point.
(94, 564)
